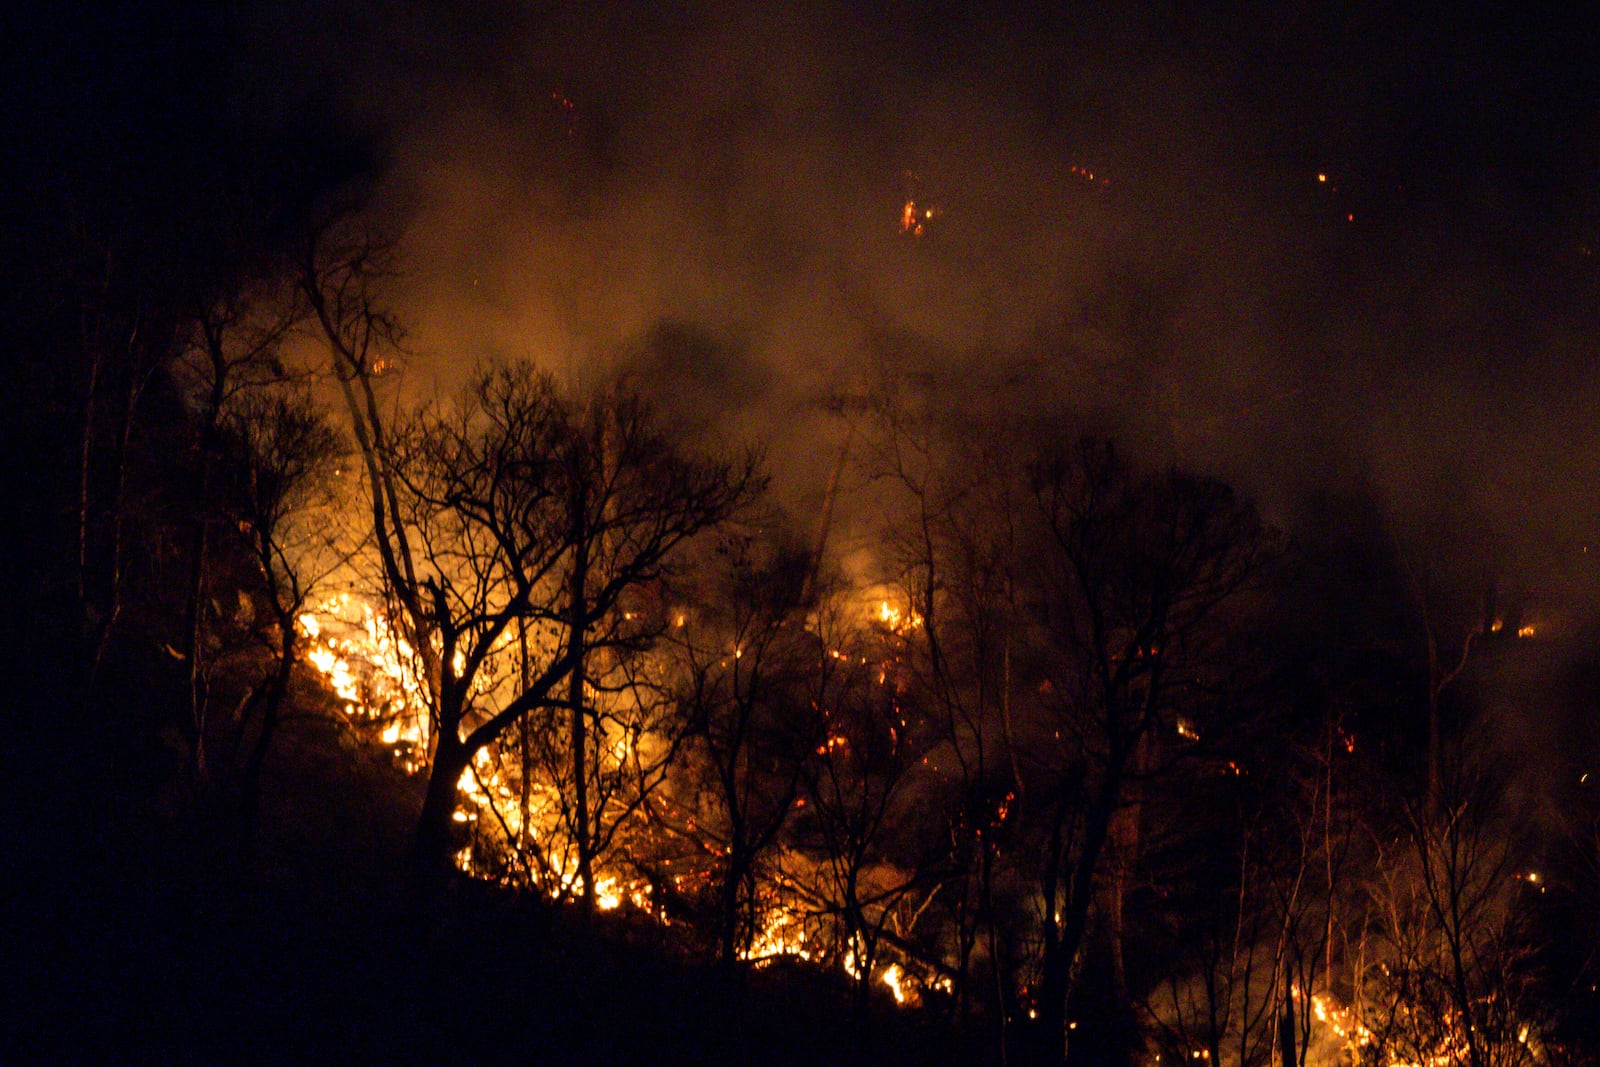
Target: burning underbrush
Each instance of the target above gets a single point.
(796, 849)
(664, 859)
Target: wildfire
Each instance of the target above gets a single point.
(899, 620)
(786, 933)
(1342, 1021)
(512, 821)
(915, 216)
(371, 669)
(898, 983)
(610, 892)
(913, 219)
(1359, 1044)
(782, 934)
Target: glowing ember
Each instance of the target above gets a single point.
(913, 219)
(1087, 175)
(915, 216)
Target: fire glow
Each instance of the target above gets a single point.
(515, 826)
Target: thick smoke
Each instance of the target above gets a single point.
(1323, 250)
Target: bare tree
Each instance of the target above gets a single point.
(1454, 968)
(1446, 654)
(1247, 920)
(1139, 575)
(280, 505)
(127, 333)
(955, 552)
(861, 822)
(231, 364)
(514, 515)
(746, 664)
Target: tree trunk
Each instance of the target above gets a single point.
(580, 719)
(1288, 1046)
(731, 880)
(1074, 921)
(432, 856)
(199, 698)
(524, 759)
(1054, 966)
(250, 783)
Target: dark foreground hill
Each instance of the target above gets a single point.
(134, 940)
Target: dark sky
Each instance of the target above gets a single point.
(1336, 244)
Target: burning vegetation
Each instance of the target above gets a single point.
(917, 214)
(952, 790)
(524, 709)
(1072, 772)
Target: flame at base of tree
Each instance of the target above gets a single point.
(512, 819)
(1375, 1031)
(1340, 1035)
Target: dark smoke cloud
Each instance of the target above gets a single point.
(711, 195)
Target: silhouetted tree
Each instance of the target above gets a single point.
(1140, 574)
(1453, 971)
(514, 510)
(955, 556)
(747, 670)
(286, 488)
(861, 823)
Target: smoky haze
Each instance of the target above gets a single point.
(1328, 249)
